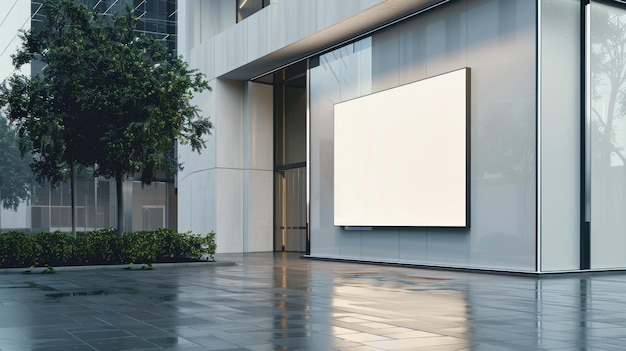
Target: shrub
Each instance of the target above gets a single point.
(17, 249)
(54, 248)
(96, 247)
(103, 247)
(139, 247)
(167, 245)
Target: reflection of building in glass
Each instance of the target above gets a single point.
(156, 18)
(95, 206)
(51, 208)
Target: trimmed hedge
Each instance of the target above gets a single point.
(103, 247)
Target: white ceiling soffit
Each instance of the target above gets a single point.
(372, 18)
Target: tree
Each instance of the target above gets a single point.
(109, 98)
(608, 82)
(16, 178)
(146, 93)
(46, 108)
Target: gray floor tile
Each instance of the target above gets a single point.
(273, 301)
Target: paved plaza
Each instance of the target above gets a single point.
(274, 301)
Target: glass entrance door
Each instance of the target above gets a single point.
(290, 210)
(290, 201)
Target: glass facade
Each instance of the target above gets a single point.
(148, 207)
(607, 54)
(156, 17)
(51, 208)
(497, 40)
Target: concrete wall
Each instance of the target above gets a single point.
(228, 187)
(222, 47)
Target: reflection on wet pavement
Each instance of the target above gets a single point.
(281, 302)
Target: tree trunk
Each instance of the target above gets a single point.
(120, 203)
(73, 194)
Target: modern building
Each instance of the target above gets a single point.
(474, 134)
(148, 207)
(479, 134)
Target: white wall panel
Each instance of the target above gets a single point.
(228, 124)
(331, 12)
(197, 203)
(229, 210)
(259, 214)
(258, 194)
(258, 127)
(255, 43)
(194, 161)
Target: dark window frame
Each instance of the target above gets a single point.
(253, 7)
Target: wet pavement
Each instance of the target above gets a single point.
(281, 302)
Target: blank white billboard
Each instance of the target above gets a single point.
(401, 155)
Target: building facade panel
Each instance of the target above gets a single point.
(559, 117)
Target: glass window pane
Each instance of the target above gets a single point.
(608, 135)
(560, 127)
(103, 203)
(497, 40)
(246, 8)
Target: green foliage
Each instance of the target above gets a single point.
(139, 247)
(45, 109)
(55, 248)
(97, 247)
(189, 246)
(148, 94)
(16, 178)
(165, 245)
(48, 270)
(208, 245)
(18, 249)
(102, 247)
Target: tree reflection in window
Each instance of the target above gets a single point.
(608, 85)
